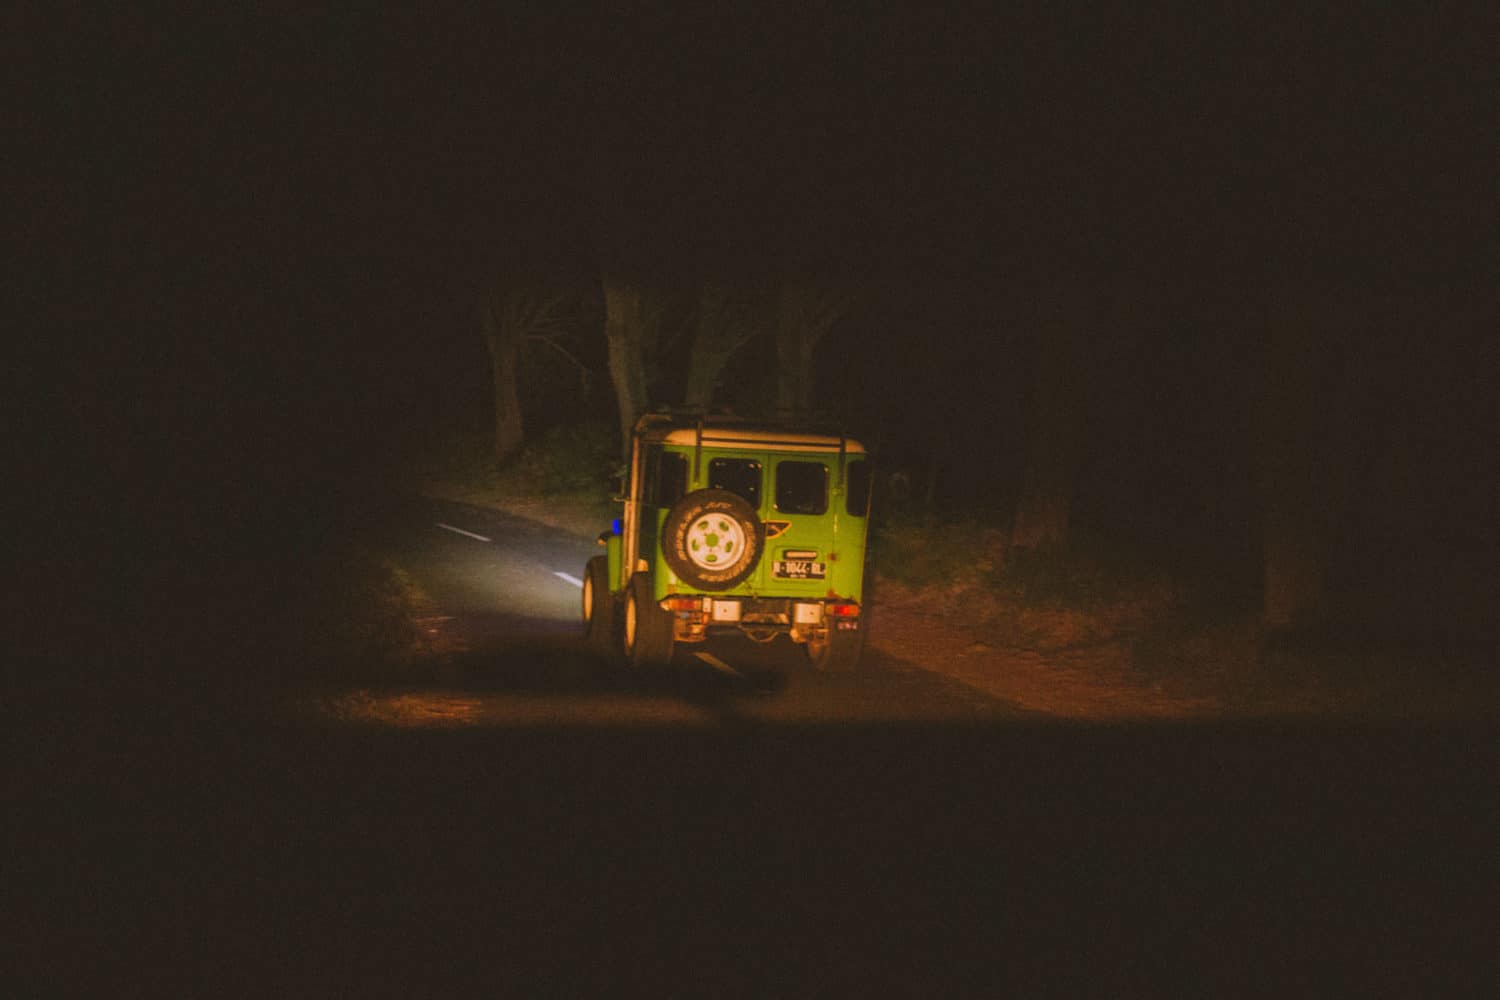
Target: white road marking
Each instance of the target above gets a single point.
(569, 577)
(718, 664)
(461, 531)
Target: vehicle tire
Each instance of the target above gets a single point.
(598, 606)
(839, 652)
(712, 539)
(647, 633)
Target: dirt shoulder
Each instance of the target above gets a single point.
(1088, 681)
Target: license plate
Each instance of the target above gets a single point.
(798, 569)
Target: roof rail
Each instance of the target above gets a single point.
(700, 417)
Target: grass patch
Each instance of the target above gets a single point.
(466, 460)
(968, 553)
(1047, 599)
(927, 551)
(350, 615)
(374, 608)
(578, 458)
(1074, 578)
(562, 478)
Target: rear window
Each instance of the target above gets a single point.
(801, 487)
(737, 475)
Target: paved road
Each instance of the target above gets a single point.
(507, 594)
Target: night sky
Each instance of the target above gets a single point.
(251, 242)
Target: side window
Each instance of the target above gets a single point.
(801, 487)
(649, 464)
(671, 479)
(857, 499)
(737, 475)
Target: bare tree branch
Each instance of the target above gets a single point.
(528, 314)
(552, 342)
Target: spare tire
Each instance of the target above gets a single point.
(712, 539)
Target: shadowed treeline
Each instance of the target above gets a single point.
(1224, 309)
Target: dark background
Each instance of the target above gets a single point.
(244, 249)
(253, 240)
(251, 243)
(283, 209)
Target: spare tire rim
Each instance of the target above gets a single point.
(715, 541)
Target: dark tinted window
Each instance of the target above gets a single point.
(801, 487)
(671, 479)
(650, 459)
(737, 475)
(857, 478)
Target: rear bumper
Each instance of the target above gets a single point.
(697, 617)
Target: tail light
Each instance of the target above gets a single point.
(843, 610)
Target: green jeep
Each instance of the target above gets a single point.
(734, 525)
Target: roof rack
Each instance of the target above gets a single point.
(700, 420)
(699, 417)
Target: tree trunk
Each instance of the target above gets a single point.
(624, 330)
(706, 357)
(794, 370)
(1056, 422)
(505, 352)
(804, 317)
(724, 326)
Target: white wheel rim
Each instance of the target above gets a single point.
(715, 541)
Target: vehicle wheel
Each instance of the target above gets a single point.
(712, 539)
(648, 637)
(838, 652)
(598, 606)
